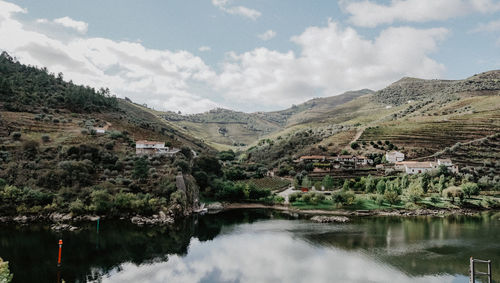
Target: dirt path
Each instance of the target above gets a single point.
(358, 135)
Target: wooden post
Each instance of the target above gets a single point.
(472, 270)
(489, 272)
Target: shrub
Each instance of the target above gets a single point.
(354, 145)
(435, 199)
(45, 138)
(293, 197)
(391, 197)
(414, 192)
(256, 193)
(100, 201)
(16, 136)
(5, 276)
(77, 207)
(453, 192)
(470, 189)
(344, 198)
(3, 183)
(379, 200)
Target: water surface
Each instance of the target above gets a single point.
(256, 246)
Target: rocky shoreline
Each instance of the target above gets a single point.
(341, 212)
(66, 221)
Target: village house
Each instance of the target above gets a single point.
(145, 147)
(340, 159)
(394, 156)
(100, 130)
(447, 162)
(416, 167)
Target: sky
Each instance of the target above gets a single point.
(250, 55)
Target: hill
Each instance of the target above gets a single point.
(223, 129)
(53, 159)
(420, 117)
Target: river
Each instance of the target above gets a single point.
(256, 246)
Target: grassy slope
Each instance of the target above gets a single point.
(248, 128)
(425, 126)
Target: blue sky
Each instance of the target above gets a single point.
(250, 55)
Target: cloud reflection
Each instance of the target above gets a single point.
(252, 254)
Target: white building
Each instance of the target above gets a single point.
(394, 156)
(447, 162)
(417, 167)
(100, 130)
(153, 147)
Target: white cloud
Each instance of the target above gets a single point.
(204, 48)
(267, 35)
(333, 59)
(370, 14)
(236, 10)
(487, 27)
(68, 22)
(160, 78)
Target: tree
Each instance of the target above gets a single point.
(317, 185)
(354, 145)
(414, 192)
(346, 186)
(306, 183)
(425, 179)
(141, 169)
(380, 187)
(441, 185)
(328, 182)
(369, 184)
(470, 189)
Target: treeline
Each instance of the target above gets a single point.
(28, 88)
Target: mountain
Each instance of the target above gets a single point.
(420, 117)
(223, 129)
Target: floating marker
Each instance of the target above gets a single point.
(60, 248)
(98, 224)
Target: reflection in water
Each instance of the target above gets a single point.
(257, 246)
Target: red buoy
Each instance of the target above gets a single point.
(60, 248)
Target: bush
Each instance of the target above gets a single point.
(391, 197)
(435, 199)
(294, 197)
(100, 201)
(470, 189)
(354, 145)
(5, 276)
(344, 198)
(16, 136)
(453, 192)
(77, 207)
(45, 138)
(256, 193)
(414, 192)
(3, 183)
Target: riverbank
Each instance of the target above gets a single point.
(65, 221)
(344, 212)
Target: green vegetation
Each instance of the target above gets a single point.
(5, 276)
(25, 88)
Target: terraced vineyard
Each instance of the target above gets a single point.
(427, 135)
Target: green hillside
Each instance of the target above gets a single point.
(223, 129)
